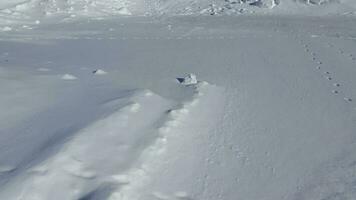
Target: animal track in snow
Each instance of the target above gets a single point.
(347, 99)
(335, 91)
(327, 73)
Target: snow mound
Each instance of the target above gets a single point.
(69, 77)
(91, 162)
(99, 72)
(111, 157)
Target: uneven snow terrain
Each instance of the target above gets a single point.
(27, 12)
(97, 105)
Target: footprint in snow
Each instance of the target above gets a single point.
(347, 99)
(329, 78)
(335, 91)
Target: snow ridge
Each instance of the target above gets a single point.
(113, 157)
(139, 176)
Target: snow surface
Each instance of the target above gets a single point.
(264, 106)
(30, 12)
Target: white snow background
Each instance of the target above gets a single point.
(177, 100)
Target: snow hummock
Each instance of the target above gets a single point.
(99, 72)
(69, 77)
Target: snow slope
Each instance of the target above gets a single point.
(271, 116)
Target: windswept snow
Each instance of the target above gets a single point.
(125, 100)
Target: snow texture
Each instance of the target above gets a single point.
(91, 106)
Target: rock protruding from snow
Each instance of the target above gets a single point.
(99, 72)
(191, 79)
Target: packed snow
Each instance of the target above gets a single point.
(177, 100)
